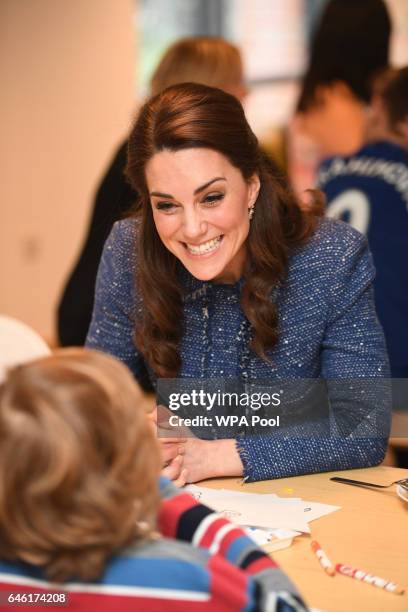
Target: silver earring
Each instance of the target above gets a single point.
(251, 211)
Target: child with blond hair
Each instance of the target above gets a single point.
(86, 520)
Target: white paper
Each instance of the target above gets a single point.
(315, 510)
(265, 510)
(253, 509)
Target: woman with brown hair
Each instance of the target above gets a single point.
(209, 60)
(85, 522)
(220, 276)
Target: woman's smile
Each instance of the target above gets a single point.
(205, 248)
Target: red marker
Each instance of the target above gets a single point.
(391, 587)
(324, 560)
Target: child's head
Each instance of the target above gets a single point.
(389, 106)
(78, 463)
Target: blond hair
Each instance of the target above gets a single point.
(78, 463)
(210, 61)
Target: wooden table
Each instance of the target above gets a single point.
(370, 532)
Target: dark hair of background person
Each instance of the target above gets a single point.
(187, 116)
(209, 60)
(113, 199)
(395, 97)
(350, 44)
(79, 464)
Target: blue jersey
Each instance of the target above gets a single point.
(370, 191)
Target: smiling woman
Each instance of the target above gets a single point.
(220, 275)
(206, 222)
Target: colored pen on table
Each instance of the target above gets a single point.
(391, 587)
(324, 560)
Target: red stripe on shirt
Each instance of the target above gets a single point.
(170, 512)
(213, 528)
(260, 564)
(230, 537)
(103, 602)
(228, 585)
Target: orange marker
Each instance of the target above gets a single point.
(324, 560)
(391, 587)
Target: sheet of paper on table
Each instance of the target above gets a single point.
(268, 511)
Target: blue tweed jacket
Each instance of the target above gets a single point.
(327, 329)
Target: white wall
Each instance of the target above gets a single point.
(66, 73)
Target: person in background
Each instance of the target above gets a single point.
(84, 517)
(220, 275)
(349, 46)
(212, 61)
(369, 189)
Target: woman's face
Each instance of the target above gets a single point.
(200, 207)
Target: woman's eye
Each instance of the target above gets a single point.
(165, 206)
(212, 198)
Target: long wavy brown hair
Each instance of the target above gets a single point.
(187, 116)
(79, 464)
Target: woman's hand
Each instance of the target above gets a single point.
(172, 448)
(190, 459)
(175, 471)
(210, 459)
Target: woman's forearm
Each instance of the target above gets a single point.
(225, 459)
(266, 457)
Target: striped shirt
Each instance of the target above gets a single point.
(201, 562)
